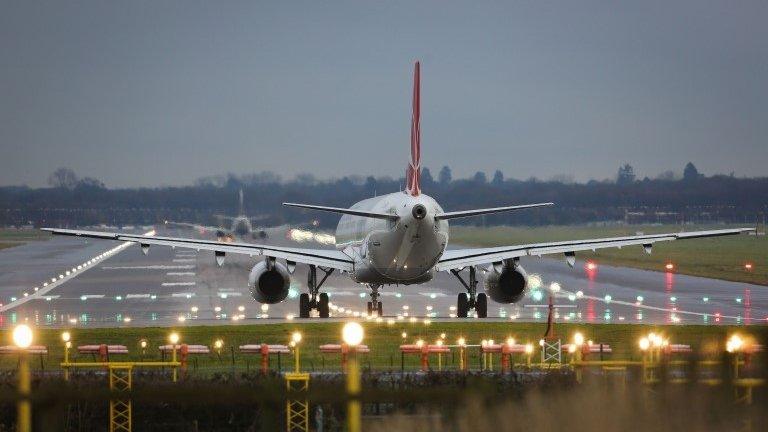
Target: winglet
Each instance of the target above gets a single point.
(413, 173)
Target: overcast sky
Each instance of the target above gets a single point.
(161, 93)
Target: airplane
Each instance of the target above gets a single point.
(400, 238)
(240, 226)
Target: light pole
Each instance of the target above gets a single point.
(439, 344)
(295, 339)
(174, 339)
(734, 345)
(218, 344)
(528, 353)
(483, 343)
(22, 337)
(66, 337)
(352, 334)
(462, 345)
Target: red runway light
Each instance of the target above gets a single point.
(669, 266)
(591, 265)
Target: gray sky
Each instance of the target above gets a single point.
(149, 93)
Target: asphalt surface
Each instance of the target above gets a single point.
(171, 287)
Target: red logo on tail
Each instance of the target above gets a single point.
(413, 173)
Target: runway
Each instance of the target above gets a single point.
(184, 287)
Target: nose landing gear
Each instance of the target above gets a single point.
(470, 299)
(314, 299)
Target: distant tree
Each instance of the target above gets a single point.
(90, 182)
(498, 178)
(480, 177)
(626, 175)
(63, 178)
(668, 175)
(563, 178)
(426, 177)
(370, 186)
(306, 179)
(690, 173)
(445, 176)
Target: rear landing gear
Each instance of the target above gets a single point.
(470, 299)
(375, 305)
(314, 299)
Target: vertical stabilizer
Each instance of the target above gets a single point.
(413, 174)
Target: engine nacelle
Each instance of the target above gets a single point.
(269, 283)
(508, 285)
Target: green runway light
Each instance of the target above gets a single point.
(640, 298)
(738, 299)
(537, 295)
(608, 298)
(673, 299)
(705, 299)
(398, 295)
(433, 296)
(362, 295)
(572, 297)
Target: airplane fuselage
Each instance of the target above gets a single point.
(394, 252)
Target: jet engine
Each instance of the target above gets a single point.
(269, 282)
(507, 283)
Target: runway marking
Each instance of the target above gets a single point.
(135, 296)
(51, 297)
(149, 267)
(180, 273)
(344, 293)
(167, 284)
(92, 296)
(229, 294)
(69, 275)
(433, 295)
(187, 295)
(183, 260)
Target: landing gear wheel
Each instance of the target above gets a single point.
(370, 308)
(322, 305)
(462, 306)
(304, 305)
(379, 310)
(481, 305)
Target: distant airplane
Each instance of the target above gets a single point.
(399, 238)
(240, 226)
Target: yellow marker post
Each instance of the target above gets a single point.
(352, 334)
(174, 339)
(22, 337)
(295, 339)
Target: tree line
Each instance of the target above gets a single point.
(71, 201)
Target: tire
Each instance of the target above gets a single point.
(304, 305)
(370, 308)
(322, 305)
(482, 306)
(380, 310)
(462, 306)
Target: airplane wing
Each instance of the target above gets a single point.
(459, 258)
(319, 257)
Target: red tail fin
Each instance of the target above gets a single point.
(413, 174)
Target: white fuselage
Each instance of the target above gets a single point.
(394, 252)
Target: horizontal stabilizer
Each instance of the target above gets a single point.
(477, 212)
(353, 212)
